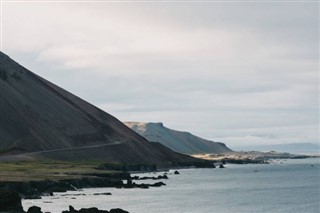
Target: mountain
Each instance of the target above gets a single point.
(183, 142)
(297, 148)
(41, 120)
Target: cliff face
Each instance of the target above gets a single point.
(41, 120)
(183, 142)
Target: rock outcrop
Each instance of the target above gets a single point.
(10, 202)
(34, 209)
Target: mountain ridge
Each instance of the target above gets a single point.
(179, 141)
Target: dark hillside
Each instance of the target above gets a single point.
(41, 120)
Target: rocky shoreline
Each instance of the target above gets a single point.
(36, 189)
(17, 190)
(11, 203)
(11, 193)
(103, 175)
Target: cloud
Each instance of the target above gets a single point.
(77, 36)
(209, 68)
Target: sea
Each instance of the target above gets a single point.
(283, 186)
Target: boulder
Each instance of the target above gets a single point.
(34, 209)
(162, 177)
(158, 184)
(92, 210)
(176, 172)
(106, 193)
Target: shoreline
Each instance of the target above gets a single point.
(252, 157)
(214, 175)
(12, 193)
(104, 178)
(33, 179)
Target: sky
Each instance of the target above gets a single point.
(239, 72)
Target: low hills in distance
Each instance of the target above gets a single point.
(39, 120)
(182, 142)
(296, 148)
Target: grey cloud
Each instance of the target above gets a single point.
(245, 72)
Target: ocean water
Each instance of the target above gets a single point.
(287, 186)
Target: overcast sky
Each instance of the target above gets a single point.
(241, 73)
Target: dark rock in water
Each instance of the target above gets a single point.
(118, 211)
(221, 166)
(158, 184)
(142, 185)
(176, 172)
(135, 177)
(34, 209)
(10, 201)
(150, 178)
(93, 210)
(85, 210)
(107, 193)
(162, 177)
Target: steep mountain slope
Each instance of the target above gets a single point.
(178, 141)
(41, 120)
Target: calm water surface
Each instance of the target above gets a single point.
(283, 186)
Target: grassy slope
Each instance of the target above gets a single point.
(26, 171)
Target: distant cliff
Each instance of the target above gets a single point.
(183, 142)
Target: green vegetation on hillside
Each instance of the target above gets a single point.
(47, 170)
